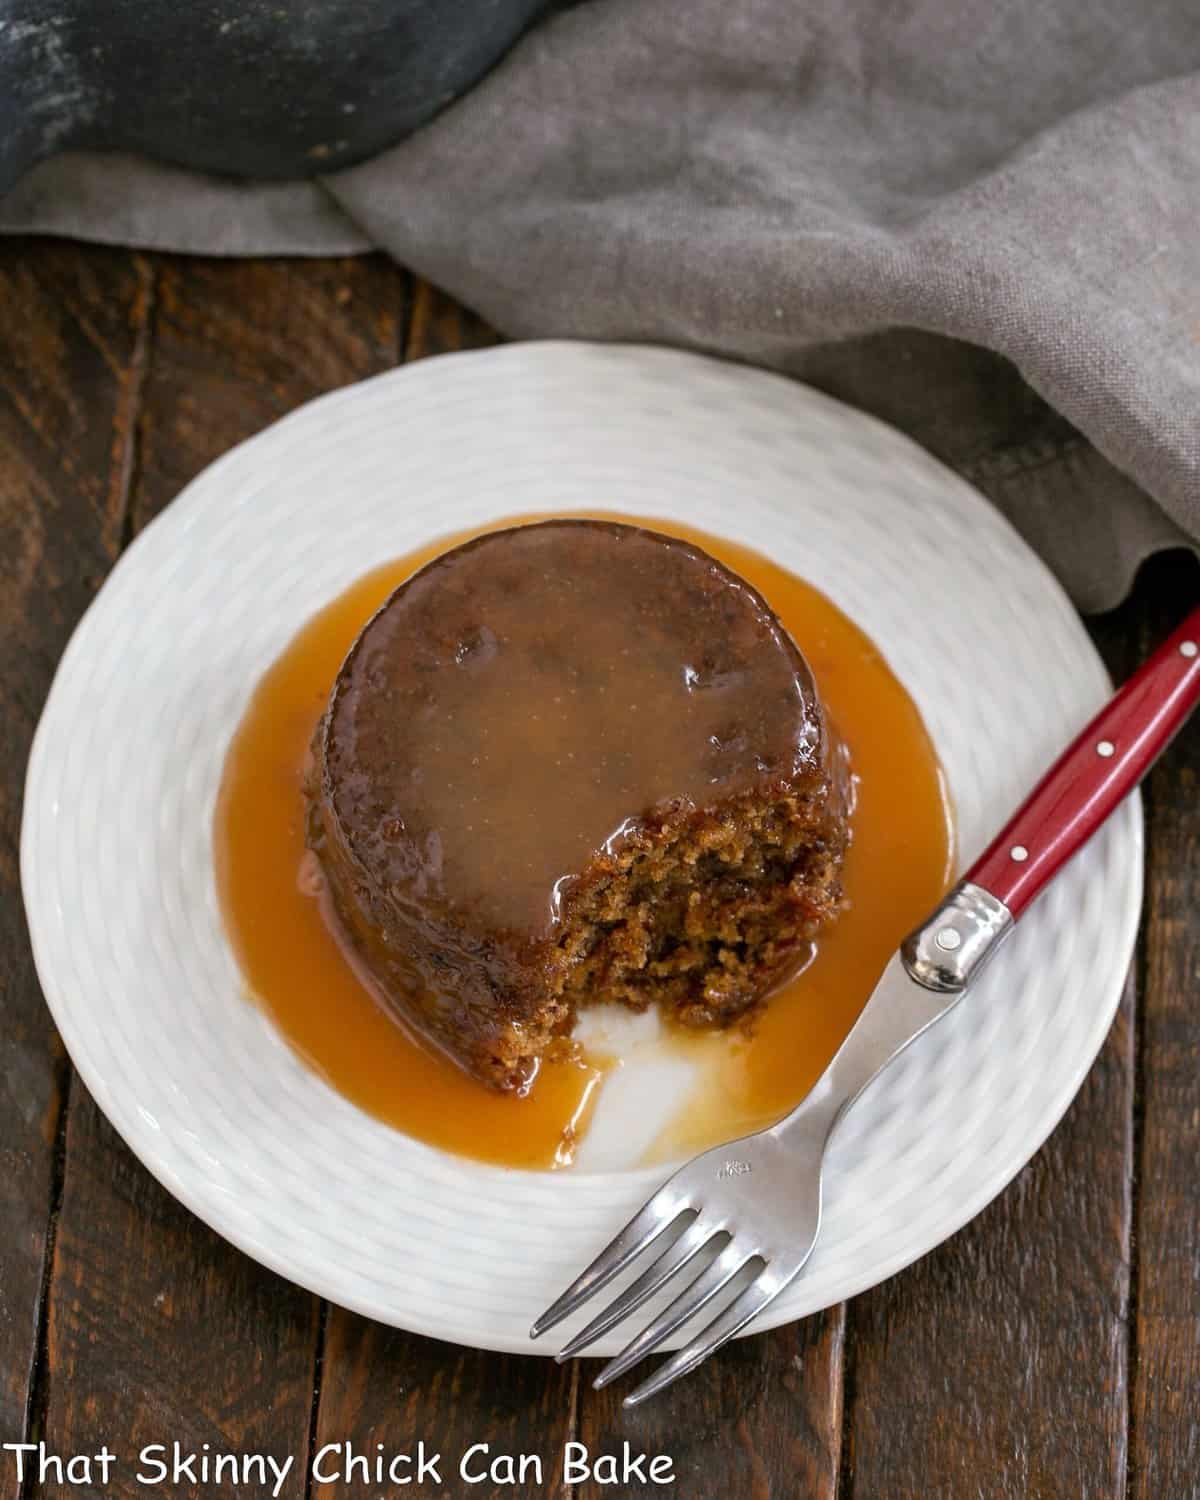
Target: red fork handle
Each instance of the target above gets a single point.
(1097, 772)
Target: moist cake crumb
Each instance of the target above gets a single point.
(570, 763)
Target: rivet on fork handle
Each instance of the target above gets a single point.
(770, 1212)
(948, 950)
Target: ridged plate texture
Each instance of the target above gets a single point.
(117, 837)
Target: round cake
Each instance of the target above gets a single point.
(569, 763)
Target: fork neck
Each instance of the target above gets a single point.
(921, 983)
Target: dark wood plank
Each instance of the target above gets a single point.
(72, 325)
(158, 1330)
(996, 1367)
(382, 1386)
(240, 343)
(1165, 1437)
(761, 1420)
(439, 325)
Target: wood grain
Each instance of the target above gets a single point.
(1165, 1437)
(158, 1329)
(72, 326)
(238, 344)
(760, 1421)
(382, 1386)
(996, 1367)
(1051, 1349)
(439, 325)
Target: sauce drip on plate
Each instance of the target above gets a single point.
(898, 864)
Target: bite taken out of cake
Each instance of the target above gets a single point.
(569, 763)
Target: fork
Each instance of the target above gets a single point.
(746, 1215)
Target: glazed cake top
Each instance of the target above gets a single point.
(520, 702)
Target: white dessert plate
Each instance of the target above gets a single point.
(116, 853)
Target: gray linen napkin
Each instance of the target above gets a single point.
(933, 209)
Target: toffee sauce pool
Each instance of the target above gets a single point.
(900, 862)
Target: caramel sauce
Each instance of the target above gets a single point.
(665, 672)
(899, 863)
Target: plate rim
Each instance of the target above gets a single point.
(176, 514)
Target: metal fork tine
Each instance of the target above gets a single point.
(642, 1230)
(669, 1263)
(744, 1308)
(701, 1291)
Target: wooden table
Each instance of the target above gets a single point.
(1050, 1349)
